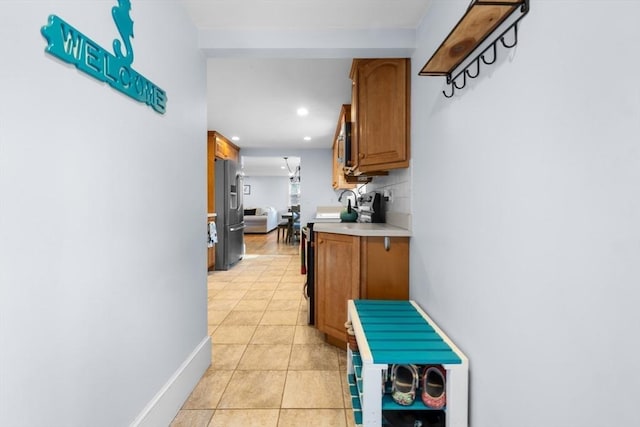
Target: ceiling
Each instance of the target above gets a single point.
(256, 99)
(306, 14)
(270, 166)
(267, 58)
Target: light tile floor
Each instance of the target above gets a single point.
(269, 368)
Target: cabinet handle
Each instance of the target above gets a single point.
(320, 241)
(387, 244)
(361, 155)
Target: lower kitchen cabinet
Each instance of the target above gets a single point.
(337, 280)
(211, 258)
(384, 268)
(356, 267)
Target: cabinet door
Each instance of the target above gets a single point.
(211, 258)
(337, 280)
(337, 167)
(385, 268)
(380, 111)
(224, 149)
(211, 175)
(339, 154)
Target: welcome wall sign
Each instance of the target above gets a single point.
(70, 45)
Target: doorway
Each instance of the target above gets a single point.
(274, 185)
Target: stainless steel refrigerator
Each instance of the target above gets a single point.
(230, 218)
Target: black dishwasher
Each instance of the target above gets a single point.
(309, 286)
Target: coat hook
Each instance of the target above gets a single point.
(477, 62)
(495, 56)
(515, 37)
(464, 81)
(452, 91)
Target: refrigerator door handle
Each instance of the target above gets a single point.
(240, 227)
(240, 187)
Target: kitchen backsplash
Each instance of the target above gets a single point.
(398, 184)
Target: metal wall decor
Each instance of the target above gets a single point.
(70, 45)
(482, 19)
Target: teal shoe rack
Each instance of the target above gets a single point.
(400, 332)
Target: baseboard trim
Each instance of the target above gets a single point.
(164, 406)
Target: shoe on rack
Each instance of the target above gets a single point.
(408, 418)
(433, 386)
(404, 382)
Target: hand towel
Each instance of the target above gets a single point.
(212, 234)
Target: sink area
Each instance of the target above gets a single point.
(327, 214)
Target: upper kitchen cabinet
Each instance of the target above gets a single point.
(218, 147)
(341, 143)
(224, 149)
(380, 114)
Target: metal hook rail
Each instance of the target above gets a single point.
(481, 27)
(464, 73)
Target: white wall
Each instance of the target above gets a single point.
(267, 191)
(102, 224)
(526, 203)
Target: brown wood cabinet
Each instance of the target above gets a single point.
(339, 182)
(337, 280)
(218, 147)
(224, 149)
(380, 105)
(384, 273)
(354, 267)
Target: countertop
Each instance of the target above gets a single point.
(362, 229)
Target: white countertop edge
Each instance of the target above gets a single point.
(362, 229)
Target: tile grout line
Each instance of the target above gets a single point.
(263, 271)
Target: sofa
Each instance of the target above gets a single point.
(260, 220)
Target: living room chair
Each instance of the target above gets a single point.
(283, 227)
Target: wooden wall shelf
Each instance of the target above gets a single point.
(482, 19)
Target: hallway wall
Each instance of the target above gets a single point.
(526, 188)
(102, 220)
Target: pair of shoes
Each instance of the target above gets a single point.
(404, 382)
(433, 386)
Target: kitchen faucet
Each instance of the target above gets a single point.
(355, 197)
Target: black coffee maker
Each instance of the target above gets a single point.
(371, 207)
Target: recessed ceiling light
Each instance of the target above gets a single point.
(307, 138)
(302, 111)
(235, 138)
(282, 167)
